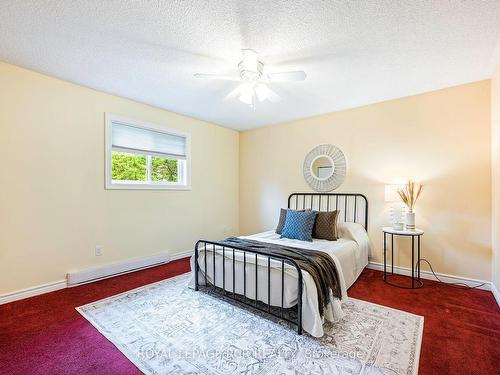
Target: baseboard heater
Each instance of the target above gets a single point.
(114, 269)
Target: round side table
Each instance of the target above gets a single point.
(416, 282)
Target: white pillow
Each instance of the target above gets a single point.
(353, 231)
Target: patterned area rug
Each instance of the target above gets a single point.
(167, 328)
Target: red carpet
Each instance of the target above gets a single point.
(45, 334)
(461, 327)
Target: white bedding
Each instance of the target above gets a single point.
(350, 254)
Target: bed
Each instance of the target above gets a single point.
(277, 286)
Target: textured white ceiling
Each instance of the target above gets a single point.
(354, 52)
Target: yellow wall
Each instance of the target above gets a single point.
(495, 154)
(441, 138)
(53, 205)
(54, 208)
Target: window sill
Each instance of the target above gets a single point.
(129, 186)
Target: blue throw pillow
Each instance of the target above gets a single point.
(299, 225)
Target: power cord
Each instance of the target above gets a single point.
(456, 285)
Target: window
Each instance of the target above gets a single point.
(145, 156)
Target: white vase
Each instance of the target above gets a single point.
(410, 220)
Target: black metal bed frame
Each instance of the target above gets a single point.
(353, 208)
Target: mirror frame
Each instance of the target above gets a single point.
(339, 163)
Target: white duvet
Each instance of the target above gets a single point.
(350, 254)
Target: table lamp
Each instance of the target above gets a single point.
(397, 207)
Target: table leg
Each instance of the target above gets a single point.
(392, 253)
(418, 260)
(385, 257)
(412, 261)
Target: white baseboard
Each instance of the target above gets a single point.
(114, 269)
(496, 293)
(429, 276)
(183, 254)
(33, 291)
(94, 274)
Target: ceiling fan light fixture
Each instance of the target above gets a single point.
(246, 98)
(262, 92)
(246, 92)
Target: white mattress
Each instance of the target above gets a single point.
(350, 254)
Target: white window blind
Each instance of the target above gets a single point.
(128, 138)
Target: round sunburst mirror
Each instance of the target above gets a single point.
(325, 168)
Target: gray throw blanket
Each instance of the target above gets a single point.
(318, 264)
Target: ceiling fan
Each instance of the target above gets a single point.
(254, 79)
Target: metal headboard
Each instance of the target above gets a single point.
(353, 207)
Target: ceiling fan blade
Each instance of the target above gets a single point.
(297, 75)
(216, 76)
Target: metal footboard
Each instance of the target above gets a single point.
(352, 207)
(276, 311)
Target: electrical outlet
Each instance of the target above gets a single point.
(99, 250)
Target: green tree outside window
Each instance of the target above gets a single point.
(163, 169)
(128, 167)
(133, 167)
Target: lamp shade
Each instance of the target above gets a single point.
(391, 192)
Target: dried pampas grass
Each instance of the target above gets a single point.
(410, 193)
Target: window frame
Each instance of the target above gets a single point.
(139, 185)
